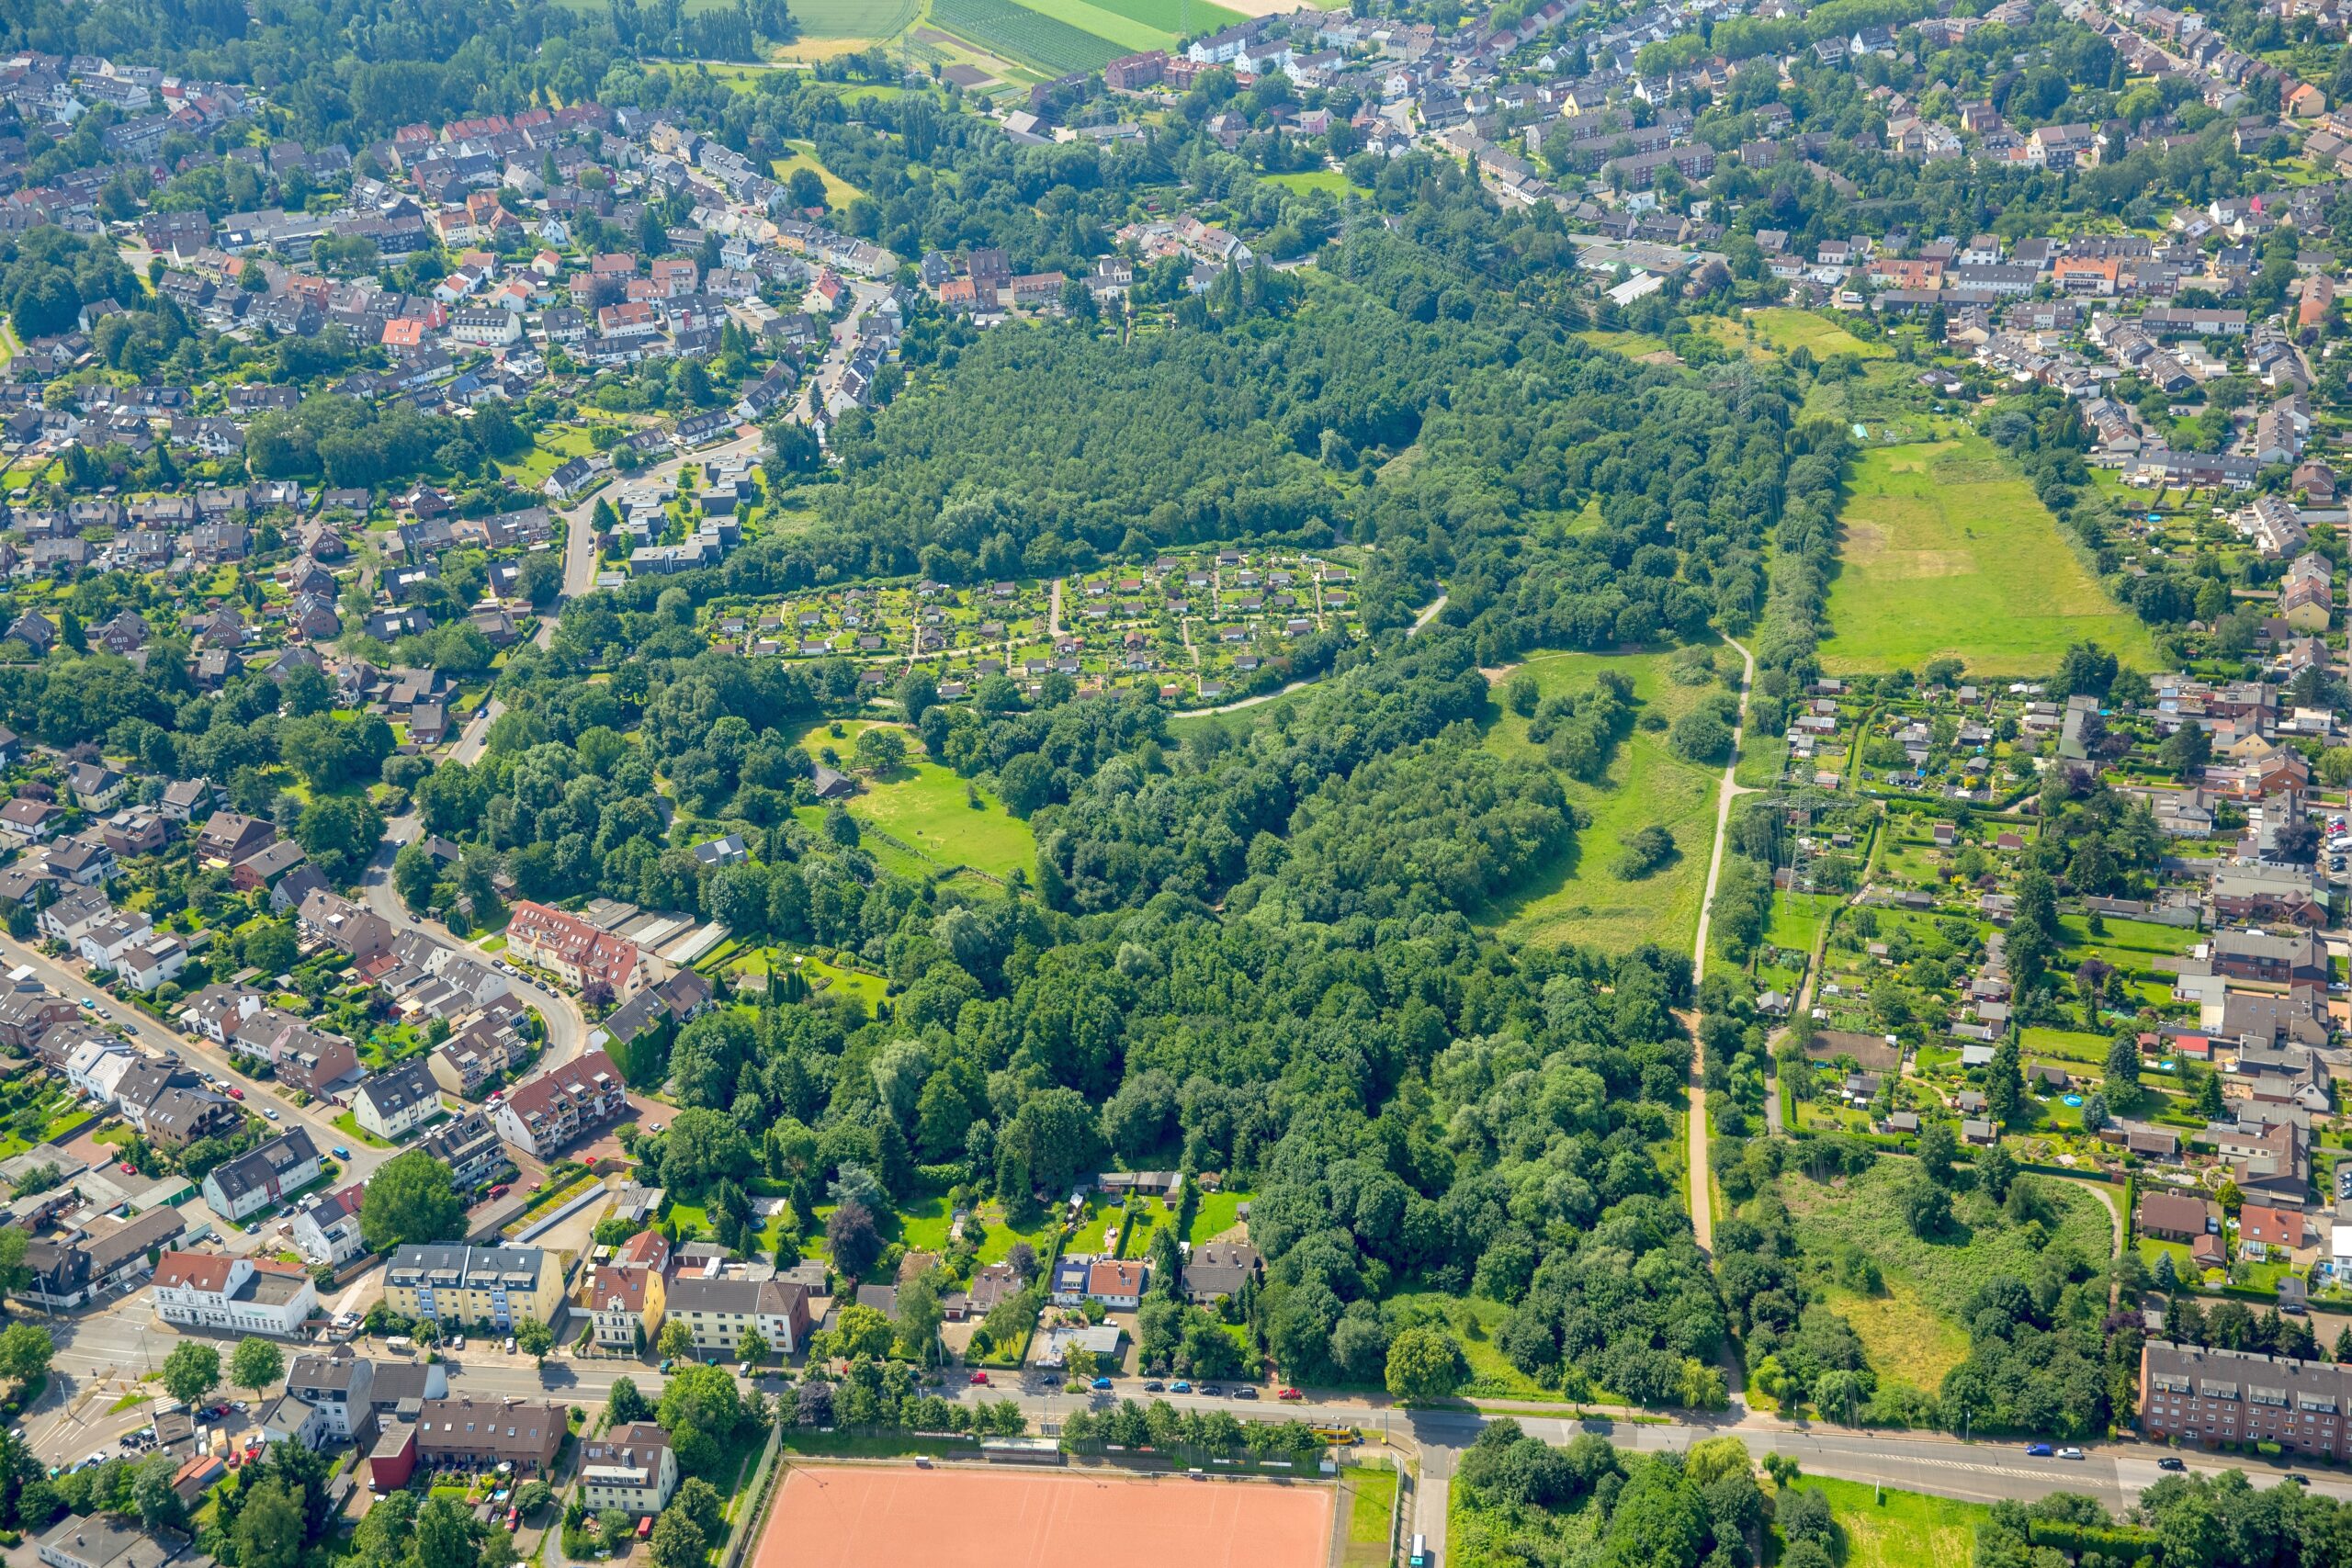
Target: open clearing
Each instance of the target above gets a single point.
(844, 1517)
(1579, 899)
(1780, 329)
(925, 805)
(1947, 551)
(1913, 1332)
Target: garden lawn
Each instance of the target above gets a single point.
(1900, 1529)
(347, 1122)
(1946, 551)
(1216, 1213)
(1579, 899)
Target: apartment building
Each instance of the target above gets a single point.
(2233, 1396)
(576, 951)
(627, 1298)
(481, 1435)
(263, 1175)
(550, 1111)
(630, 1468)
(718, 1311)
(457, 1285)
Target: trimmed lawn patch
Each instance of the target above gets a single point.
(1579, 899)
(349, 1124)
(1947, 551)
(1314, 179)
(838, 192)
(926, 808)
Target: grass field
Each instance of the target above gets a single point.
(1305, 180)
(839, 192)
(1177, 18)
(1780, 328)
(1633, 345)
(1028, 36)
(925, 804)
(1580, 898)
(1947, 551)
(1907, 1341)
(1900, 1529)
(1103, 22)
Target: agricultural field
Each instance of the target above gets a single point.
(1949, 552)
(1024, 35)
(1582, 899)
(1915, 1327)
(854, 19)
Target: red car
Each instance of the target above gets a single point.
(236, 1093)
(1290, 1393)
(979, 1379)
(127, 1168)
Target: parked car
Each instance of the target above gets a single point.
(340, 1152)
(2037, 1450)
(271, 1112)
(979, 1379)
(1154, 1386)
(2070, 1453)
(1180, 1386)
(1245, 1392)
(236, 1093)
(1101, 1385)
(1290, 1393)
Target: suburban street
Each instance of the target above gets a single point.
(71, 983)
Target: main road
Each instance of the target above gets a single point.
(118, 1342)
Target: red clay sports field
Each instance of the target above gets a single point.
(857, 1516)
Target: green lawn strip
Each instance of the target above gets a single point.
(1332, 180)
(1947, 551)
(1579, 899)
(1372, 1506)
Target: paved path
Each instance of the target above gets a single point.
(1702, 1199)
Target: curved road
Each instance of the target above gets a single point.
(567, 1025)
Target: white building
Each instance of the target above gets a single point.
(397, 1101)
(233, 1295)
(327, 1229)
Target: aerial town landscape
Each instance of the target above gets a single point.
(852, 783)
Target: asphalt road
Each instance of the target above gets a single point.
(101, 1355)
